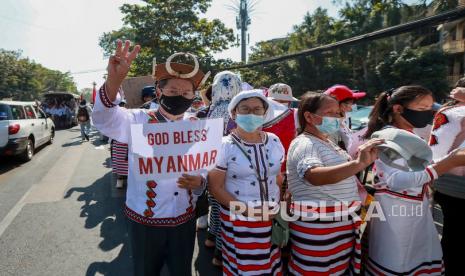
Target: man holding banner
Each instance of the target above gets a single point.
(169, 156)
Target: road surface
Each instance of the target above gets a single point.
(61, 215)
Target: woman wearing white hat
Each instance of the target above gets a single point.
(248, 172)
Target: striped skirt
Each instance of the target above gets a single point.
(325, 248)
(247, 247)
(427, 268)
(119, 158)
(214, 224)
(403, 243)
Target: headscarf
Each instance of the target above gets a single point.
(225, 86)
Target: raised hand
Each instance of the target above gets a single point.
(458, 94)
(119, 65)
(190, 182)
(368, 152)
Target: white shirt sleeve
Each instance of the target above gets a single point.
(446, 127)
(112, 120)
(398, 180)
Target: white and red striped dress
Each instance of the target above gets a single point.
(327, 246)
(119, 158)
(323, 241)
(405, 240)
(247, 247)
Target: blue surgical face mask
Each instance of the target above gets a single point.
(329, 125)
(249, 122)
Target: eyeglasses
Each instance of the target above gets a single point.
(189, 94)
(248, 110)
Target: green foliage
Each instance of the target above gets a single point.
(163, 27)
(23, 79)
(371, 67)
(427, 67)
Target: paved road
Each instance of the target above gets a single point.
(61, 215)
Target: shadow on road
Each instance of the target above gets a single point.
(102, 206)
(203, 261)
(102, 210)
(9, 163)
(74, 143)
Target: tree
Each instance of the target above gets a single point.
(163, 27)
(426, 67)
(23, 79)
(372, 66)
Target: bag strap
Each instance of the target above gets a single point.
(259, 178)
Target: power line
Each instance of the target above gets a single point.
(383, 33)
(88, 71)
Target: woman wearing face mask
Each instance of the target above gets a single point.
(405, 240)
(322, 178)
(346, 98)
(449, 134)
(247, 172)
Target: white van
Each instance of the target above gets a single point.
(23, 128)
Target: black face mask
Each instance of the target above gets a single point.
(175, 105)
(418, 119)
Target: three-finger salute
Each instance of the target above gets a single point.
(119, 65)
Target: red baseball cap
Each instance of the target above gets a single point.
(342, 92)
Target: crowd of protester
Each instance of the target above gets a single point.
(274, 157)
(61, 110)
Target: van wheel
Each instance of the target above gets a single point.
(52, 136)
(29, 152)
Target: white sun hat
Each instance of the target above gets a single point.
(256, 93)
(281, 92)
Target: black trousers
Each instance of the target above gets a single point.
(152, 247)
(453, 239)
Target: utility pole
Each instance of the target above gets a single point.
(242, 23)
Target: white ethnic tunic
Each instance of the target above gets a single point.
(246, 244)
(403, 240)
(154, 203)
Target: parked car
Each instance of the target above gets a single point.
(359, 117)
(23, 128)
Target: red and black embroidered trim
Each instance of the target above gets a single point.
(433, 140)
(439, 120)
(152, 117)
(419, 197)
(104, 97)
(158, 221)
(151, 185)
